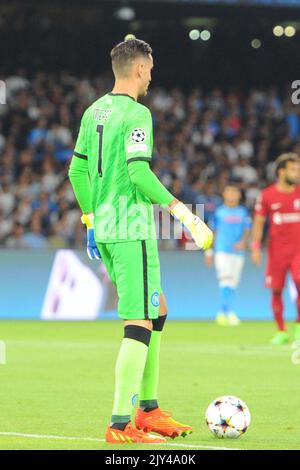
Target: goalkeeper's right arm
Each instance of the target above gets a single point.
(148, 183)
(79, 178)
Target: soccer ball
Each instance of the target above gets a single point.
(228, 417)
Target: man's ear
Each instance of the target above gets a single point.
(140, 68)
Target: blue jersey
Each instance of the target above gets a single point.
(229, 225)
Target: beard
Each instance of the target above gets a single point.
(289, 181)
(143, 92)
(146, 89)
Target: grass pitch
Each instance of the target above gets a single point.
(56, 389)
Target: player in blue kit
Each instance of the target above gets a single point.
(231, 224)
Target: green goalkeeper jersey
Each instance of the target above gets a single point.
(115, 131)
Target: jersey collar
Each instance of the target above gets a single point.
(121, 94)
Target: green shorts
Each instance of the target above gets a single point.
(134, 268)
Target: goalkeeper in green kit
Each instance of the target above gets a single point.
(115, 189)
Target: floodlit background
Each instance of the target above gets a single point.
(225, 102)
(222, 105)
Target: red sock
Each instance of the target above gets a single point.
(277, 307)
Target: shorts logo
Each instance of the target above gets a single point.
(138, 135)
(155, 299)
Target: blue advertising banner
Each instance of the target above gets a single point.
(55, 285)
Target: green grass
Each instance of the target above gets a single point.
(58, 381)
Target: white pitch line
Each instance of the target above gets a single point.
(45, 436)
(94, 439)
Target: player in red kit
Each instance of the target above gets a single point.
(280, 204)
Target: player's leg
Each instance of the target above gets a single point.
(128, 375)
(297, 326)
(149, 387)
(158, 313)
(149, 416)
(275, 280)
(277, 307)
(125, 261)
(129, 370)
(281, 337)
(295, 271)
(237, 262)
(224, 271)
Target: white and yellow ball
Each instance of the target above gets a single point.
(228, 417)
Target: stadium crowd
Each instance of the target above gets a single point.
(202, 141)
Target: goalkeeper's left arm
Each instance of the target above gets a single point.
(80, 181)
(148, 183)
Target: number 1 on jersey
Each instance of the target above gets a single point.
(100, 132)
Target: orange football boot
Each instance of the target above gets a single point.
(161, 422)
(131, 435)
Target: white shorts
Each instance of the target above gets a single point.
(229, 269)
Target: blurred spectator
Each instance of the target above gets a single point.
(7, 199)
(210, 200)
(16, 239)
(202, 141)
(244, 172)
(34, 238)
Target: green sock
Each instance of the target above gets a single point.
(128, 376)
(149, 387)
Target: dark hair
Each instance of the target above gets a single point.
(232, 185)
(285, 158)
(124, 52)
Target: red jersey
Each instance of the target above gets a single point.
(283, 212)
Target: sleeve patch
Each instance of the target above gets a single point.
(137, 148)
(138, 135)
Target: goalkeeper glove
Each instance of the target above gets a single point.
(92, 249)
(200, 232)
